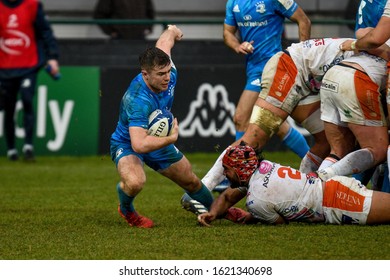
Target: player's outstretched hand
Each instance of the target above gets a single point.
(205, 219)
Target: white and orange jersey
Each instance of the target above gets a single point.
(275, 190)
(279, 190)
(313, 58)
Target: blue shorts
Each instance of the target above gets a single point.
(253, 82)
(157, 160)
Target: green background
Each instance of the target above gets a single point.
(80, 86)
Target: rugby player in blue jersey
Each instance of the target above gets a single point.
(131, 146)
(255, 28)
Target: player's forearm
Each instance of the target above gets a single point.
(376, 37)
(219, 206)
(152, 143)
(168, 38)
(231, 41)
(304, 24)
(304, 31)
(224, 201)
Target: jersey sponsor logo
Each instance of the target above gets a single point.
(247, 17)
(335, 61)
(283, 81)
(211, 114)
(341, 197)
(328, 85)
(252, 24)
(290, 210)
(313, 43)
(265, 167)
(16, 39)
(266, 178)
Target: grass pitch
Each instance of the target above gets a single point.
(65, 208)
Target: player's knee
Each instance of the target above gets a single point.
(379, 154)
(133, 186)
(192, 185)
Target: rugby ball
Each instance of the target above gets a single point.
(160, 123)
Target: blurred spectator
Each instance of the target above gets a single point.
(125, 9)
(27, 43)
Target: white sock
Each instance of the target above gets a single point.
(352, 163)
(328, 161)
(215, 174)
(310, 163)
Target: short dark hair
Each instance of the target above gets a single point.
(153, 57)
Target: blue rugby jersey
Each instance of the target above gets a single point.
(261, 22)
(369, 13)
(139, 102)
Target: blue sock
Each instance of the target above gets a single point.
(204, 196)
(296, 142)
(239, 134)
(125, 201)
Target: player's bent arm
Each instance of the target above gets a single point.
(376, 37)
(304, 24)
(373, 39)
(230, 39)
(143, 143)
(226, 200)
(220, 205)
(167, 39)
(382, 51)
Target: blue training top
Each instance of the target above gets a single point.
(139, 102)
(261, 22)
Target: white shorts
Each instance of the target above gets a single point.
(350, 96)
(279, 84)
(346, 201)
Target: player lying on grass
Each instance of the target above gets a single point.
(291, 82)
(277, 194)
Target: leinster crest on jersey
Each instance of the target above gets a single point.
(260, 7)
